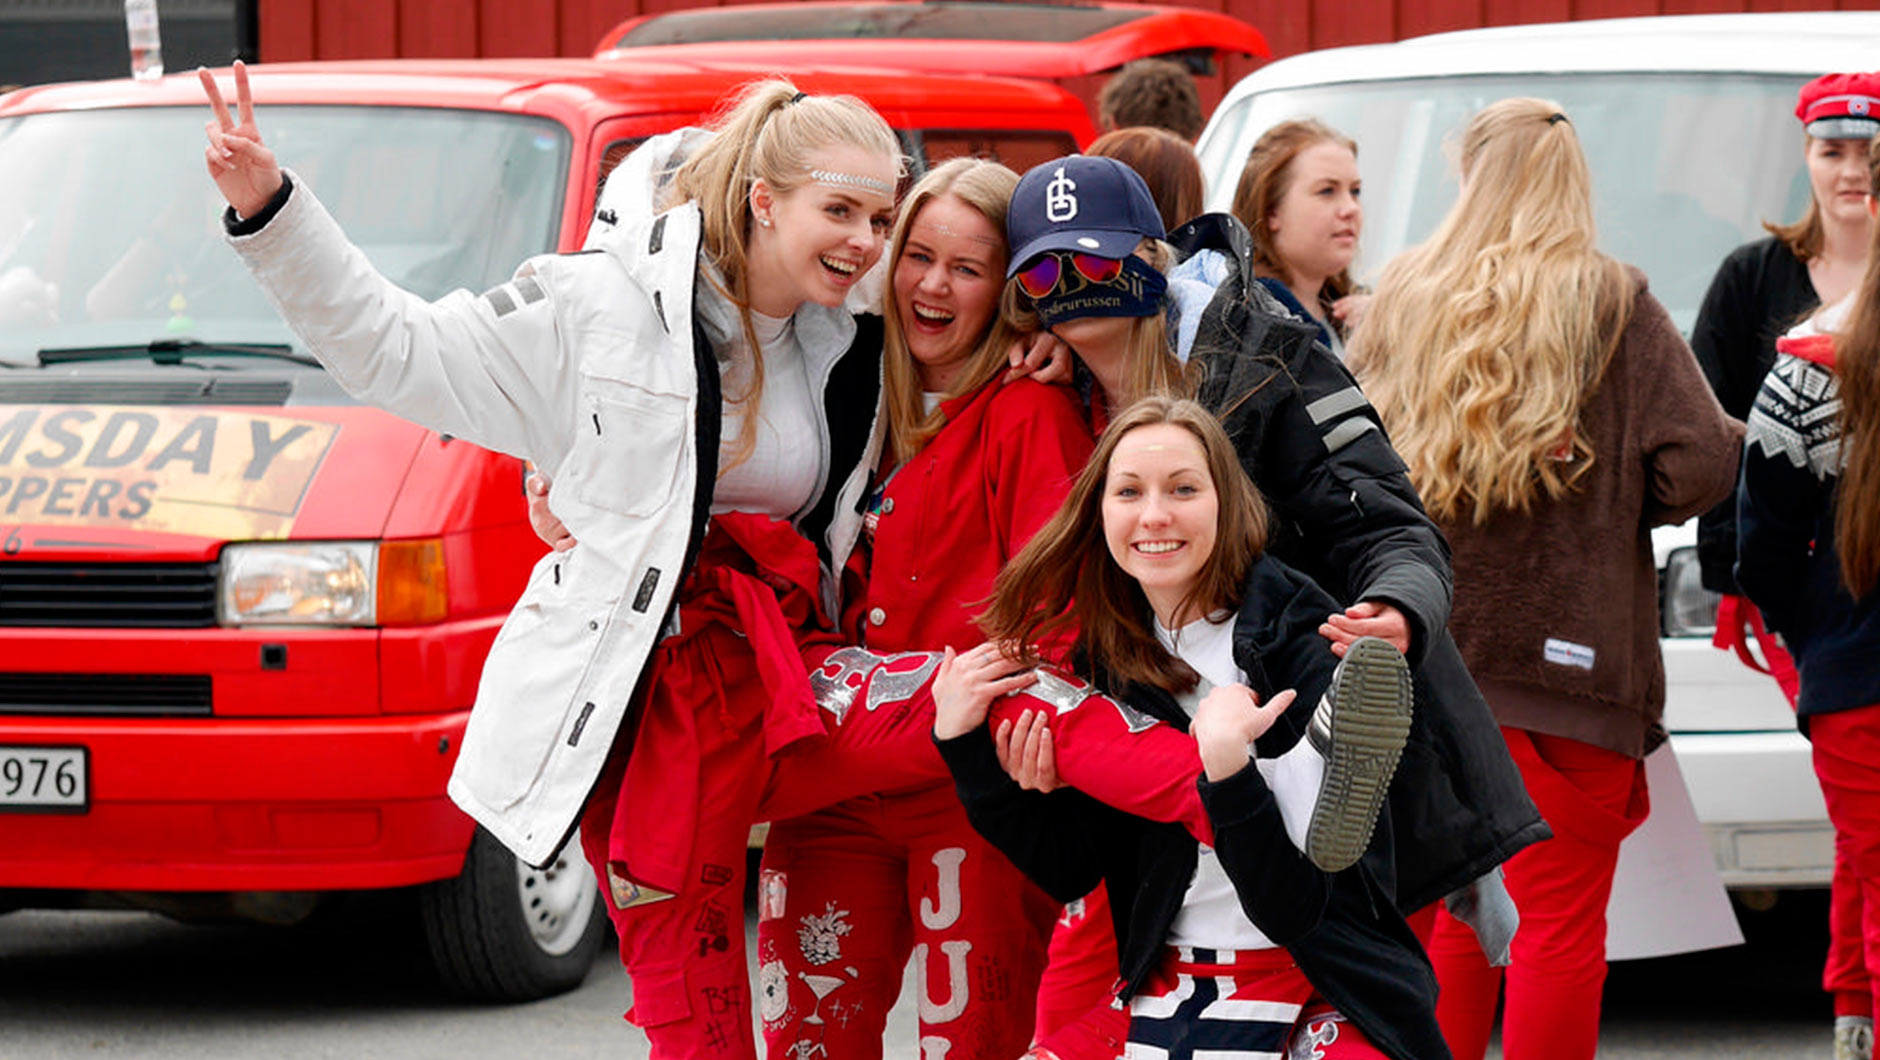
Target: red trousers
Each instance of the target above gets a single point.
(906, 874)
(1844, 973)
(1846, 746)
(703, 726)
(1593, 798)
(1076, 1020)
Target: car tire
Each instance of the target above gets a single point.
(502, 930)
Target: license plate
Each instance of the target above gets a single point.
(44, 779)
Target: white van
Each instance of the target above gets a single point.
(1688, 124)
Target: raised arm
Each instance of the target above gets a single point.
(1317, 450)
(243, 168)
(492, 370)
(1279, 888)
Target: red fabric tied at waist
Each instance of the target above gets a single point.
(1738, 623)
(760, 578)
(747, 615)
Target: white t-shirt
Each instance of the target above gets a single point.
(1211, 916)
(787, 463)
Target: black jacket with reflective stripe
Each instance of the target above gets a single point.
(1347, 516)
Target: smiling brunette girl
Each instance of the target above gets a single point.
(1245, 948)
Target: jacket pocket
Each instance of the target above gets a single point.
(630, 452)
(527, 699)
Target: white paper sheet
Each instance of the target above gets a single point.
(1666, 896)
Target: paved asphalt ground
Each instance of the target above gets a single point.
(352, 985)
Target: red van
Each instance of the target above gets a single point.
(242, 617)
(1066, 43)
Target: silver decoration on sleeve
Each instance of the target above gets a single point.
(1064, 694)
(888, 679)
(840, 677)
(1350, 399)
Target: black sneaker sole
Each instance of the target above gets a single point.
(1370, 721)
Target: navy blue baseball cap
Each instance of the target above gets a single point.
(1079, 203)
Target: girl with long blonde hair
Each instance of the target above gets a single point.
(1509, 312)
(702, 391)
(1550, 414)
(1808, 554)
(974, 464)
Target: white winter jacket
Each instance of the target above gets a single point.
(585, 364)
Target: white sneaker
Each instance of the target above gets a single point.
(1360, 727)
(1853, 1038)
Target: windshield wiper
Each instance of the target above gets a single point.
(172, 351)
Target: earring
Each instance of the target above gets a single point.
(765, 221)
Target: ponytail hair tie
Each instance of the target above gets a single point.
(1555, 119)
(798, 98)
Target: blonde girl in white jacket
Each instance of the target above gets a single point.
(668, 384)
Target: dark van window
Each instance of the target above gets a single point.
(1019, 150)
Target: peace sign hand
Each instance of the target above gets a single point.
(243, 168)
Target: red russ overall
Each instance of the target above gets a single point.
(723, 698)
(848, 893)
(730, 730)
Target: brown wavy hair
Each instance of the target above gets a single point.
(1065, 578)
(1857, 361)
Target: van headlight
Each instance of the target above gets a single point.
(332, 583)
(1688, 609)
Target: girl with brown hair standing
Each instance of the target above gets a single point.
(1299, 198)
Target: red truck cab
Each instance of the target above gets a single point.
(242, 617)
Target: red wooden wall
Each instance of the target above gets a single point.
(359, 29)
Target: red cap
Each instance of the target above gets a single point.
(1840, 106)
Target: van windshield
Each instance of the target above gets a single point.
(1685, 166)
(111, 233)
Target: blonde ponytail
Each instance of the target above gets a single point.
(769, 132)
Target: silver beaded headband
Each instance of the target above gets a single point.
(852, 180)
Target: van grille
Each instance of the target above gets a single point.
(167, 695)
(92, 391)
(108, 595)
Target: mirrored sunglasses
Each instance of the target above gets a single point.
(1041, 277)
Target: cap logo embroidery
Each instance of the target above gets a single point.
(1858, 105)
(1059, 204)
